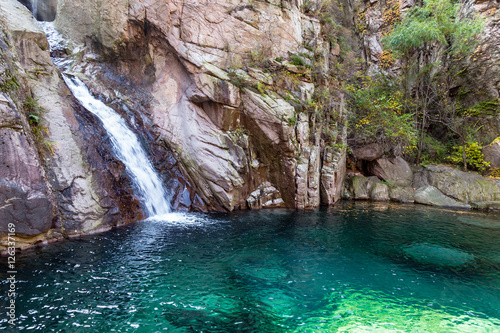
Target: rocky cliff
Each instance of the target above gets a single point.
(209, 78)
(239, 104)
(51, 179)
(229, 120)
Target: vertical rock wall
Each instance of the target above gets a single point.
(196, 67)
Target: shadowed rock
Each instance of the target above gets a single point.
(393, 170)
(492, 153)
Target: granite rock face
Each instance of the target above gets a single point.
(187, 65)
(435, 185)
(50, 187)
(25, 197)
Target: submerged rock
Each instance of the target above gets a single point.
(484, 222)
(438, 255)
(486, 205)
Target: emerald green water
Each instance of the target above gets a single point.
(350, 268)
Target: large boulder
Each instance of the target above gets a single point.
(466, 187)
(430, 195)
(492, 153)
(402, 194)
(395, 171)
(363, 188)
(368, 152)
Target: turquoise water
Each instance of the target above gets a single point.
(349, 268)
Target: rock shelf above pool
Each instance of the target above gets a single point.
(433, 185)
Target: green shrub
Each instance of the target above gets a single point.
(473, 155)
(379, 115)
(297, 60)
(9, 82)
(434, 151)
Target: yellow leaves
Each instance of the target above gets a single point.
(361, 25)
(392, 14)
(362, 122)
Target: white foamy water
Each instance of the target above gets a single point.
(127, 148)
(126, 144)
(183, 219)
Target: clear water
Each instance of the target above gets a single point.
(350, 268)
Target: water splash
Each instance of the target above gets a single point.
(125, 142)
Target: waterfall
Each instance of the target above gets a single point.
(125, 143)
(127, 148)
(34, 7)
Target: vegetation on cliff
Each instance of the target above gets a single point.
(413, 104)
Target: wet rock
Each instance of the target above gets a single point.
(432, 196)
(395, 171)
(486, 205)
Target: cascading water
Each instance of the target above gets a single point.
(34, 7)
(127, 148)
(126, 144)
